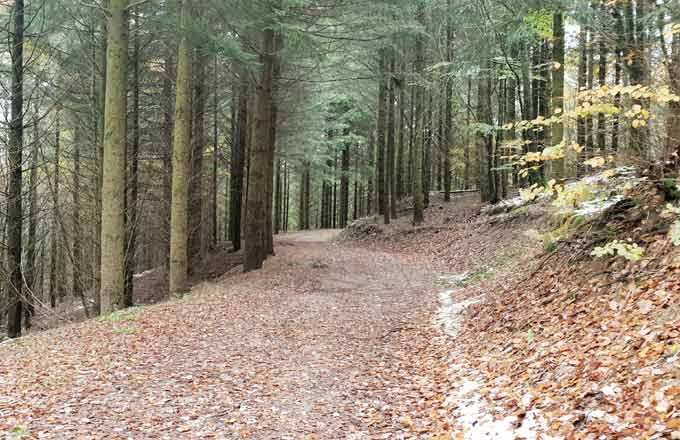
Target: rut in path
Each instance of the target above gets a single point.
(326, 342)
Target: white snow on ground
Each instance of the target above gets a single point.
(450, 309)
(597, 206)
(145, 273)
(471, 412)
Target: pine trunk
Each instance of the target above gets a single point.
(238, 160)
(558, 68)
(113, 187)
(418, 211)
(383, 190)
(132, 180)
(199, 104)
(256, 217)
(391, 139)
(181, 156)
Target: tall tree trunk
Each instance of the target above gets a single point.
(581, 82)
(199, 103)
(132, 179)
(370, 185)
(618, 72)
(14, 202)
(390, 174)
(77, 230)
(344, 184)
(590, 78)
(448, 110)
(383, 190)
(256, 223)
(484, 115)
(238, 160)
(115, 132)
(167, 130)
(601, 82)
(673, 120)
(98, 92)
(30, 274)
(400, 175)
(411, 140)
(271, 153)
(466, 151)
(418, 203)
(181, 156)
(427, 147)
(558, 59)
(54, 230)
(214, 205)
(635, 54)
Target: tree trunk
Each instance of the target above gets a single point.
(14, 197)
(256, 223)
(590, 77)
(390, 174)
(98, 92)
(214, 206)
(115, 132)
(132, 180)
(238, 161)
(77, 230)
(383, 190)
(344, 184)
(558, 68)
(489, 193)
(466, 151)
(167, 130)
(635, 54)
(427, 146)
(54, 230)
(601, 82)
(618, 73)
(271, 157)
(31, 297)
(418, 214)
(581, 82)
(448, 110)
(181, 156)
(199, 103)
(402, 139)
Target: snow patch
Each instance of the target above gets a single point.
(471, 411)
(449, 310)
(474, 417)
(145, 273)
(598, 205)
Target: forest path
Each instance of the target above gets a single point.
(326, 342)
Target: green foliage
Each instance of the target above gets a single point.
(629, 251)
(474, 277)
(541, 21)
(670, 188)
(130, 314)
(531, 336)
(573, 196)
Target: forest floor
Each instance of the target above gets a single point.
(465, 328)
(328, 341)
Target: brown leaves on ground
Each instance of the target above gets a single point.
(594, 345)
(326, 342)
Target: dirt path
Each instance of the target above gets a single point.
(327, 342)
